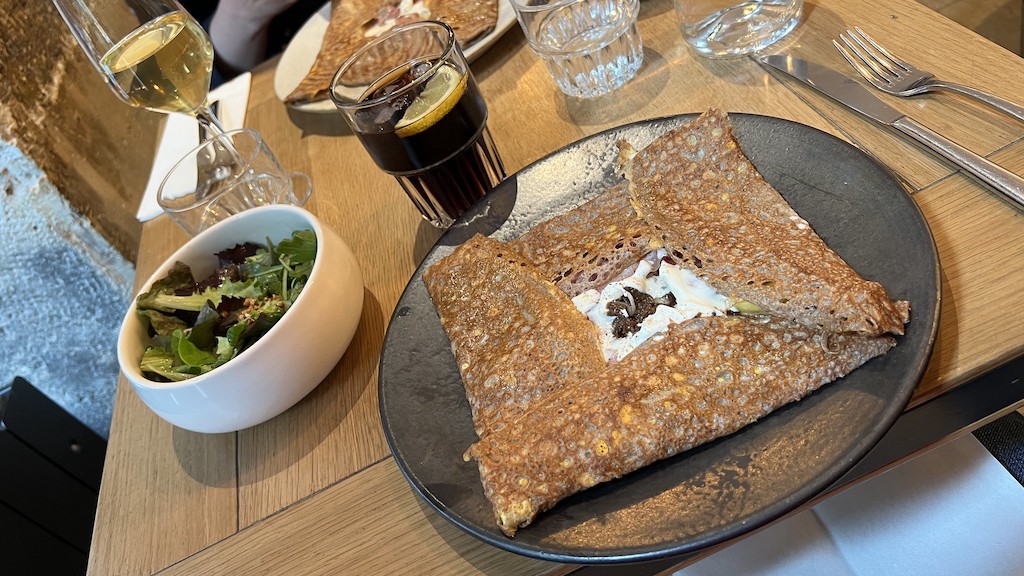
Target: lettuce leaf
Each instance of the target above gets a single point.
(195, 302)
(161, 361)
(178, 279)
(161, 323)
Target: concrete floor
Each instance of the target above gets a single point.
(63, 289)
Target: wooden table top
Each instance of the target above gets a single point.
(315, 490)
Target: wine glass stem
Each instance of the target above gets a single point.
(210, 128)
(208, 120)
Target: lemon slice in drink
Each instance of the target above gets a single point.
(440, 95)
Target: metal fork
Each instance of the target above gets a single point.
(893, 75)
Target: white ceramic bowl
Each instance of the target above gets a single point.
(289, 360)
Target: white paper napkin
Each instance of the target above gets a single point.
(181, 134)
(953, 511)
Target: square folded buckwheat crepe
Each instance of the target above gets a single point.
(554, 417)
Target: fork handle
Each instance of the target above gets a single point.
(1002, 180)
(992, 100)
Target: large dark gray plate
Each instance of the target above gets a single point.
(730, 486)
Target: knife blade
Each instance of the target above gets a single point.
(852, 94)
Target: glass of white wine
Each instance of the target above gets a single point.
(153, 54)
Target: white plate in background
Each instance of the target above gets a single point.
(298, 58)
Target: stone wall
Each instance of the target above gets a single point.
(56, 108)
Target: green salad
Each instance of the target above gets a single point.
(198, 325)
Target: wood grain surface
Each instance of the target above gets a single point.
(314, 490)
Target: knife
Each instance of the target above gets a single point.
(852, 94)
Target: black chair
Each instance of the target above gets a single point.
(50, 469)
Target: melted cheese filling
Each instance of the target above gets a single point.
(693, 298)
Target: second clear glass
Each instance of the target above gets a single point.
(591, 47)
(730, 28)
(225, 175)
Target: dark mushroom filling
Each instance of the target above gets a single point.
(629, 313)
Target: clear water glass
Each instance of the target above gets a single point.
(727, 28)
(225, 175)
(591, 47)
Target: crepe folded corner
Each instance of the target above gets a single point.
(354, 23)
(554, 418)
(705, 379)
(515, 336)
(717, 215)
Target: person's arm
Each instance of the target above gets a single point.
(239, 31)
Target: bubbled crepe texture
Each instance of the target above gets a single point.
(553, 419)
(587, 247)
(713, 210)
(507, 327)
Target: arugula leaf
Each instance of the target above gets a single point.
(299, 249)
(282, 268)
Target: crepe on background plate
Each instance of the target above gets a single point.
(700, 379)
(354, 23)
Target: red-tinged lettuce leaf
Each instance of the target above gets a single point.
(179, 277)
(238, 253)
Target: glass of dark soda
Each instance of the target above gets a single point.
(411, 99)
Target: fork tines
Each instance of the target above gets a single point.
(871, 60)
